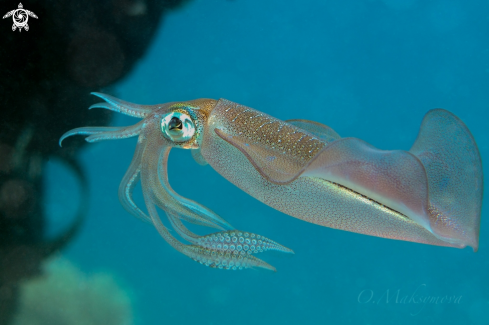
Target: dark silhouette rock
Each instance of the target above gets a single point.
(47, 73)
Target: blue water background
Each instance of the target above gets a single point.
(369, 69)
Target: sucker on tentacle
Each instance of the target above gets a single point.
(233, 241)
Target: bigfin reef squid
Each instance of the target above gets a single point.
(431, 194)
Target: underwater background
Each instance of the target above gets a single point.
(369, 69)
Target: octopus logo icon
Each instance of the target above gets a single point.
(20, 17)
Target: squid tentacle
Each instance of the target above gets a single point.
(124, 133)
(203, 212)
(120, 106)
(89, 131)
(162, 197)
(167, 203)
(230, 241)
(96, 134)
(163, 231)
(245, 242)
(224, 260)
(215, 257)
(182, 230)
(128, 183)
(193, 209)
(205, 256)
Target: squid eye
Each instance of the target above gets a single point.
(177, 127)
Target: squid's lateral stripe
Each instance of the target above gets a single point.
(347, 189)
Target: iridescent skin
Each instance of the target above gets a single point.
(431, 194)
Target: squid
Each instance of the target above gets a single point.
(431, 194)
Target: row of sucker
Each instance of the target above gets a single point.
(224, 260)
(230, 250)
(233, 241)
(215, 258)
(239, 242)
(161, 192)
